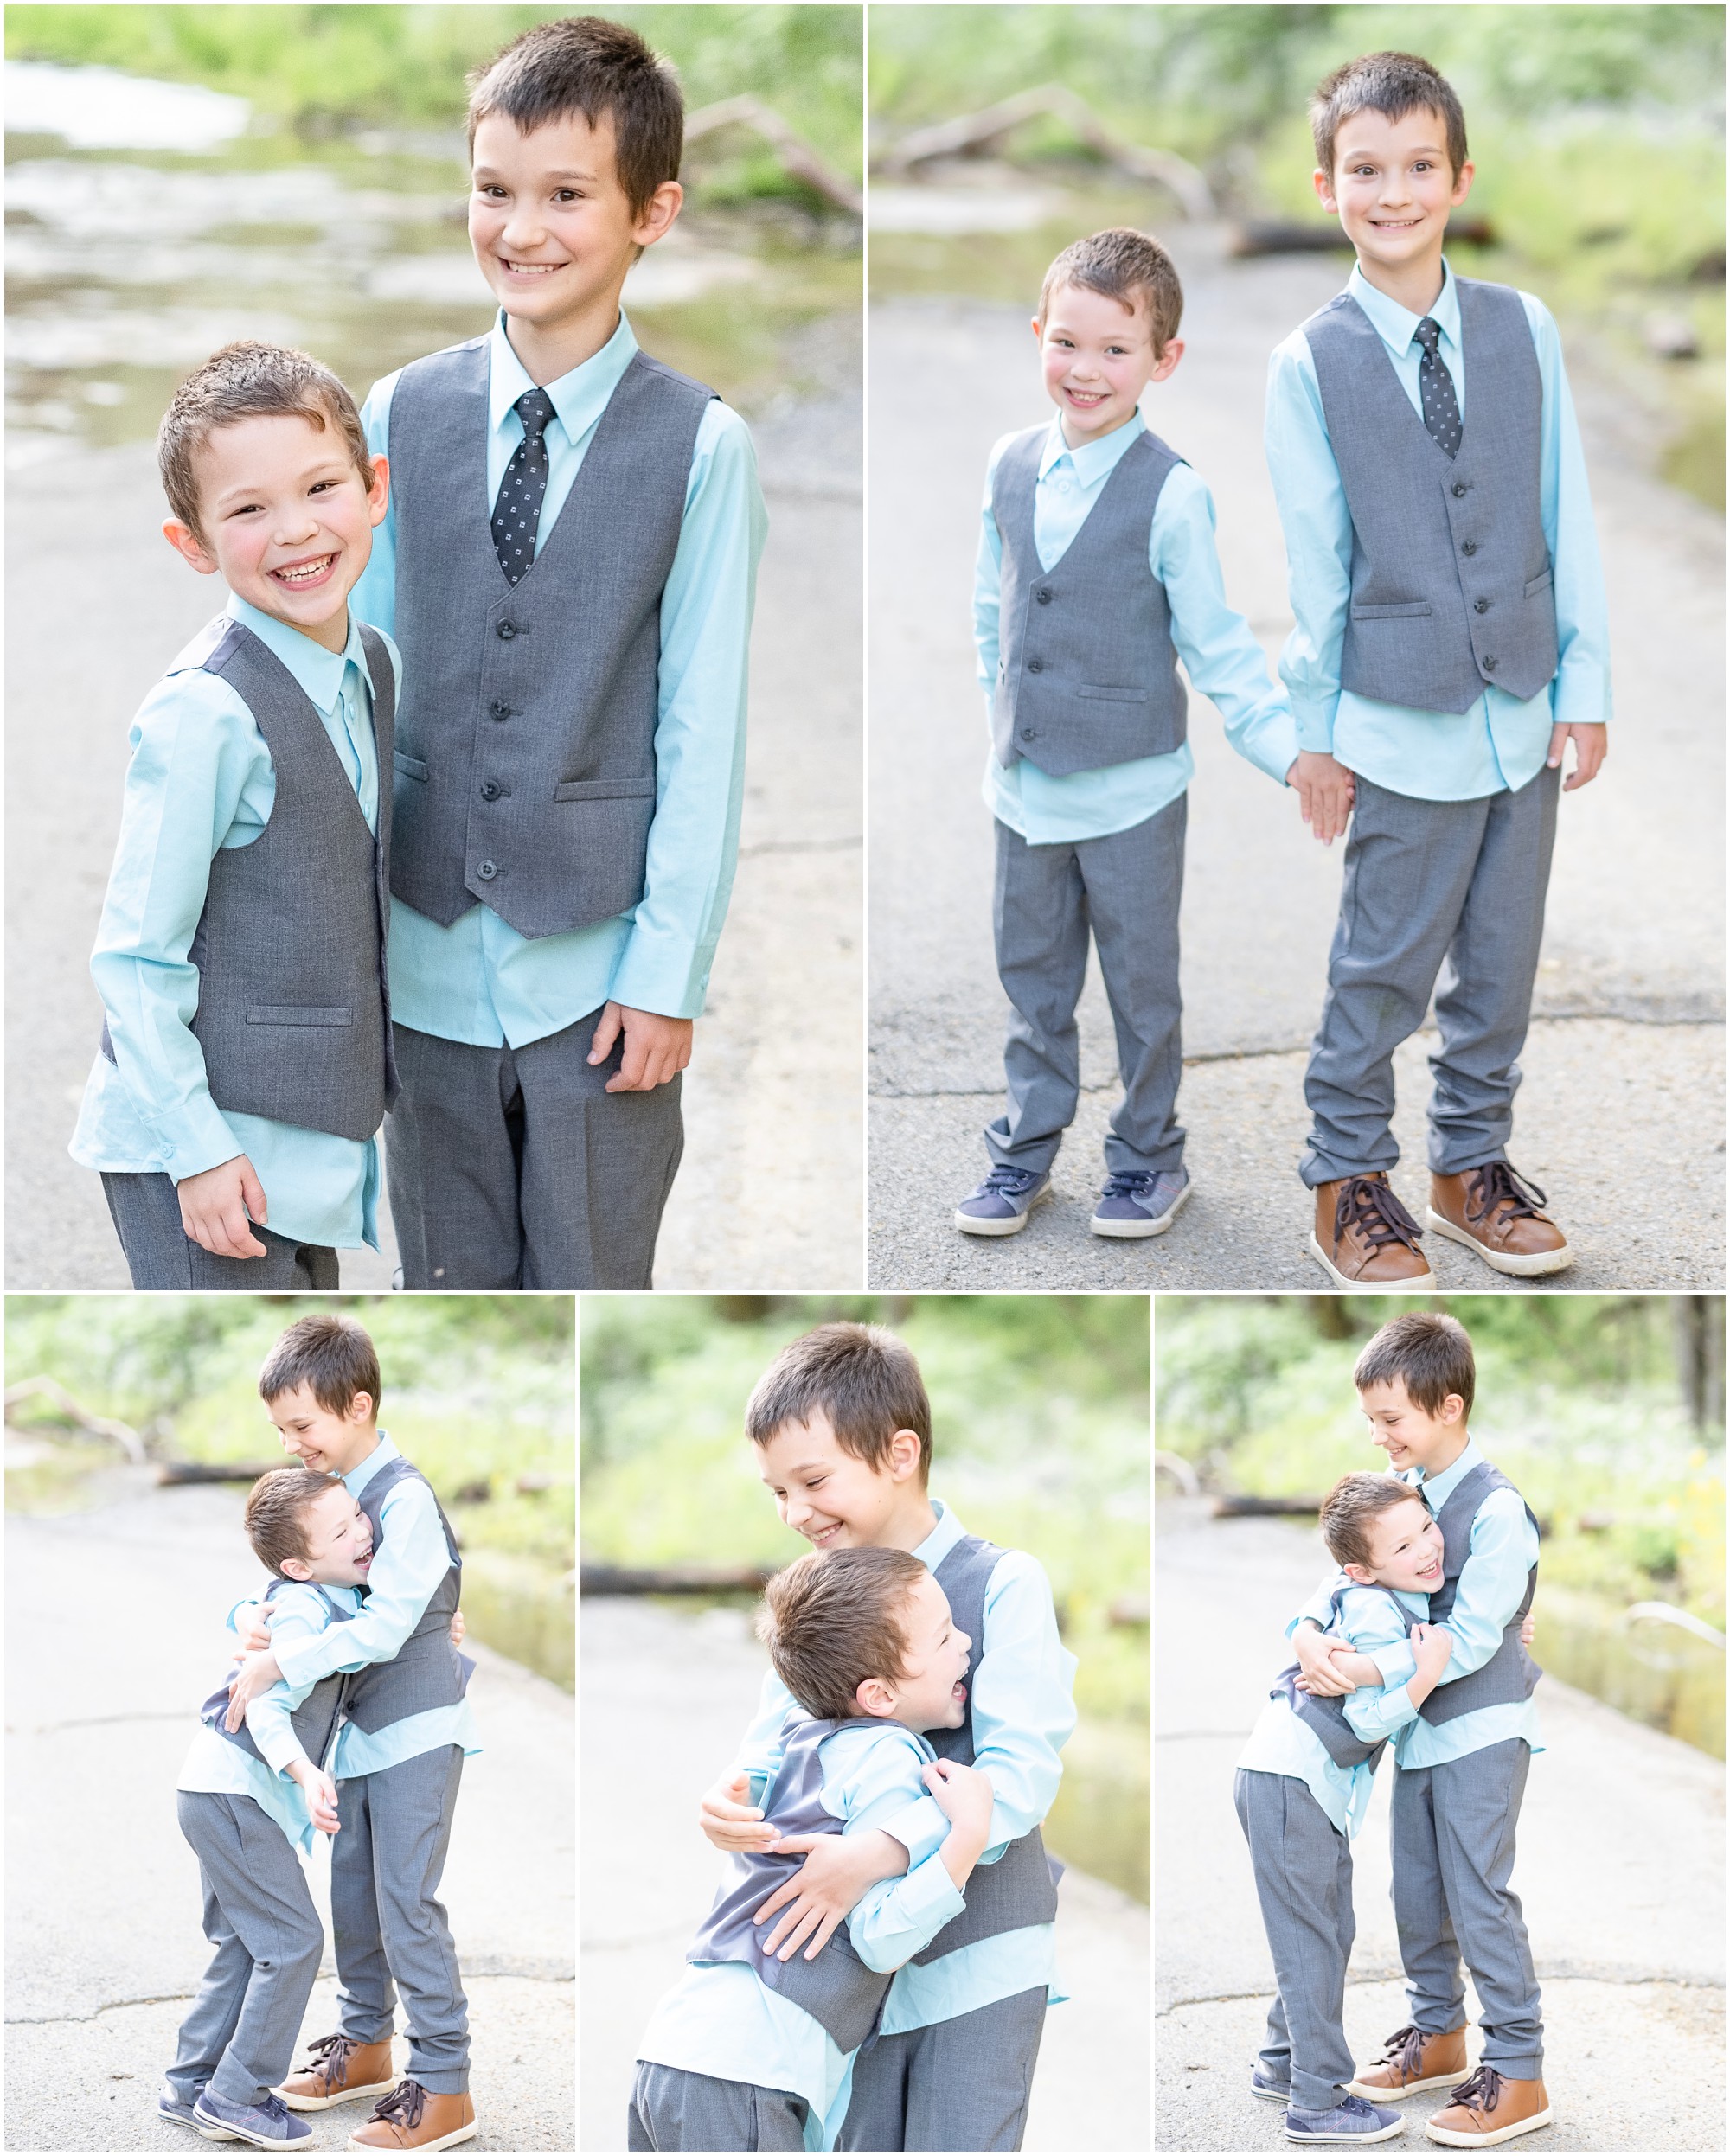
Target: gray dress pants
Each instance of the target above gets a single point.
(240, 2035)
(670, 2109)
(145, 1211)
(959, 2084)
(1127, 889)
(385, 1865)
(1453, 889)
(515, 1167)
(1304, 1882)
(1453, 1828)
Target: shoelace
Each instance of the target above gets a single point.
(1404, 2051)
(404, 2103)
(1135, 1182)
(1481, 2091)
(1008, 1182)
(1495, 1185)
(1372, 1208)
(330, 2057)
(275, 2110)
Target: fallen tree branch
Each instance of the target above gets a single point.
(796, 154)
(1266, 1507)
(181, 1471)
(675, 1579)
(74, 1412)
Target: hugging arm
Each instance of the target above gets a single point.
(1492, 1582)
(410, 1560)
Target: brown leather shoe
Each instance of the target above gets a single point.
(1498, 1214)
(1411, 2062)
(339, 2072)
(412, 2117)
(1490, 2108)
(1365, 1237)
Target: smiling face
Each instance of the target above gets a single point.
(1392, 187)
(931, 1693)
(1409, 1435)
(1405, 1548)
(330, 1441)
(835, 1500)
(1097, 356)
(285, 519)
(339, 1543)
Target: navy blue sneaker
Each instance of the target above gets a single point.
(170, 2106)
(1275, 2091)
(1352, 2120)
(1002, 1202)
(1140, 1203)
(267, 2124)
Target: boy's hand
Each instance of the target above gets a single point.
(1529, 1631)
(257, 1673)
(252, 1625)
(217, 1206)
(656, 1048)
(1315, 1653)
(836, 1871)
(728, 1820)
(1432, 1645)
(321, 1794)
(459, 1629)
(1325, 793)
(963, 1794)
(1591, 746)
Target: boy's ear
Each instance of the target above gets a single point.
(657, 220)
(359, 1409)
(295, 1568)
(872, 1696)
(1360, 1573)
(904, 1453)
(1451, 1409)
(1323, 184)
(188, 546)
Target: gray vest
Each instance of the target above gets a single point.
(525, 750)
(314, 1721)
(1327, 1717)
(1021, 1887)
(1451, 576)
(427, 1670)
(1086, 669)
(1510, 1674)
(293, 1007)
(836, 1989)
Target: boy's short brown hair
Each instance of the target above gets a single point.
(861, 1376)
(1429, 1352)
(585, 64)
(1349, 1507)
(1393, 84)
(1125, 265)
(249, 380)
(277, 1506)
(833, 1619)
(331, 1353)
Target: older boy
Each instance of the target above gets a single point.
(248, 1799)
(1462, 1762)
(1303, 1787)
(841, 1425)
(399, 1758)
(569, 562)
(1449, 642)
(756, 2051)
(1097, 571)
(247, 1062)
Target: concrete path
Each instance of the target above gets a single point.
(772, 1100)
(666, 1695)
(1261, 895)
(113, 1633)
(1620, 1870)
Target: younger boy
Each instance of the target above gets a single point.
(1450, 641)
(754, 2051)
(248, 1799)
(1096, 572)
(1303, 1788)
(569, 562)
(246, 1061)
(399, 1760)
(1463, 1762)
(842, 1427)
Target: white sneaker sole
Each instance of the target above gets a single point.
(330, 2103)
(1527, 1268)
(969, 1226)
(1139, 1229)
(1411, 2088)
(446, 2140)
(1451, 2139)
(257, 2140)
(1346, 2141)
(1416, 1285)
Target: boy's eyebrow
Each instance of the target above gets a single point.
(487, 172)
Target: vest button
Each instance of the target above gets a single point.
(1480, 606)
(1459, 489)
(1043, 596)
(1469, 547)
(1028, 734)
(490, 790)
(1490, 666)
(499, 710)
(1035, 666)
(507, 630)
(487, 870)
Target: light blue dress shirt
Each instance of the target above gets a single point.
(201, 780)
(478, 981)
(721, 2020)
(1491, 1587)
(1023, 1712)
(1223, 660)
(215, 1765)
(410, 1559)
(1501, 742)
(1282, 1743)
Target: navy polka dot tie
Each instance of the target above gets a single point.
(1436, 388)
(516, 513)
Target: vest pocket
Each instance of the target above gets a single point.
(1400, 609)
(303, 1014)
(1103, 693)
(603, 789)
(410, 767)
(1539, 584)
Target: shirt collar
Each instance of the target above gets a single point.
(1093, 460)
(1438, 1488)
(579, 398)
(357, 1478)
(942, 1538)
(1394, 324)
(318, 672)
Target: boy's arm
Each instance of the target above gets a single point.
(1492, 1581)
(1317, 526)
(1383, 1703)
(988, 588)
(410, 1561)
(1581, 696)
(267, 1716)
(700, 731)
(374, 597)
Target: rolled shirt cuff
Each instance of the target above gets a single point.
(1581, 696)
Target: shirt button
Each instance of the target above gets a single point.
(507, 630)
(490, 790)
(1469, 546)
(501, 711)
(1480, 606)
(487, 870)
